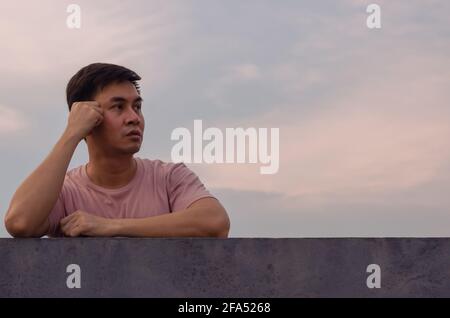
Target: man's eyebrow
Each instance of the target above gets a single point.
(121, 99)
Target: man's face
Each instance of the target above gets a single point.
(122, 114)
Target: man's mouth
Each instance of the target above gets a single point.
(135, 133)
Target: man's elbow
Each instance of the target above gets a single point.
(18, 227)
(222, 225)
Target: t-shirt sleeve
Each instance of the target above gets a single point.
(58, 212)
(184, 188)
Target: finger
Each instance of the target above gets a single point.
(71, 216)
(75, 231)
(69, 224)
(67, 219)
(92, 103)
(95, 104)
(84, 104)
(98, 109)
(69, 228)
(99, 120)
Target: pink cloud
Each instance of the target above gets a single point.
(389, 134)
(11, 120)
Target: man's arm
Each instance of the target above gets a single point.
(33, 201)
(205, 217)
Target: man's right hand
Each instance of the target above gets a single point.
(83, 118)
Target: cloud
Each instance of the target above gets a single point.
(258, 214)
(37, 42)
(357, 121)
(245, 72)
(11, 120)
(387, 134)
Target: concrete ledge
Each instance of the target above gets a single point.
(125, 267)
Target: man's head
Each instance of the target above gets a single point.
(116, 89)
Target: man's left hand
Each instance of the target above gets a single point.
(81, 223)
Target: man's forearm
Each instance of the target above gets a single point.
(185, 223)
(36, 196)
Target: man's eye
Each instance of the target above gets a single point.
(117, 106)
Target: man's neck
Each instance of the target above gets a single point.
(111, 172)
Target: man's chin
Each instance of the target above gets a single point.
(132, 149)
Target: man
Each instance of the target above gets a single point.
(114, 194)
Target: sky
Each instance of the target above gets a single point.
(363, 114)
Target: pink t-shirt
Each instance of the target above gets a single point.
(157, 188)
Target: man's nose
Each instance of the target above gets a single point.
(133, 116)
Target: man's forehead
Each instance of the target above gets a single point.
(115, 91)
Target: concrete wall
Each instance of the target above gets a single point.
(124, 267)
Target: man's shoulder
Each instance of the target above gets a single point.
(73, 180)
(74, 171)
(74, 175)
(165, 171)
(157, 164)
